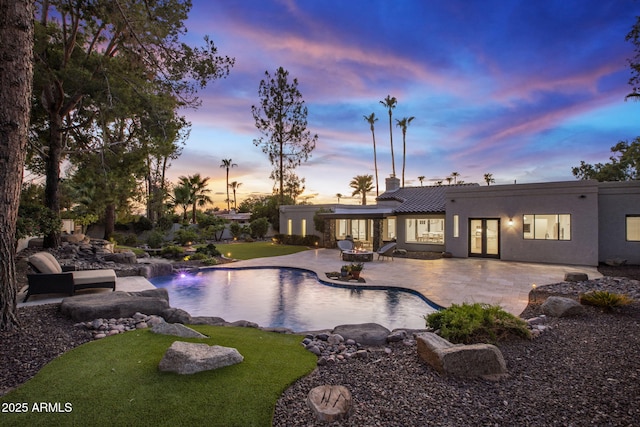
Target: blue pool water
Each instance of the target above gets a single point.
(290, 298)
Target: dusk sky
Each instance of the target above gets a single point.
(523, 90)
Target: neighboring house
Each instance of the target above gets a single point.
(573, 222)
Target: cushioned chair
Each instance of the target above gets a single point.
(51, 278)
(387, 250)
(345, 245)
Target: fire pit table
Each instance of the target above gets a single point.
(357, 256)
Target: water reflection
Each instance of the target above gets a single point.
(291, 298)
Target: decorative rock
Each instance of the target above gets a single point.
(561, 307)
(575, 277)
(176, 329)
(244, 324)
(176, 315)
(475, 360)
(365, 334)
(335, 339)
(115, 304)
(395, 336)
(616, 262)
(189, 358)
(205, 320)
(330, 402)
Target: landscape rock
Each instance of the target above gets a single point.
(176, 315)
(189, 358)
(561, 307)
(176, 329)
(330, 402)
(115, 304)
(208, 320)
(365, 333)
(474, 360)
(575, 277)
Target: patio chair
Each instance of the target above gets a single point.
(387, 250)
(344, 245)
(51, 278)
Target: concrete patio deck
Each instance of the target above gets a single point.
(443, 281)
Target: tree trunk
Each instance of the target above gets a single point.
(52, 185)
(16, 75)
(109, 220)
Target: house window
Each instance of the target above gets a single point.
(427, 231)
(633, 228)
(289, 227)
(546, 227)
(389, 232)
(341, 229)
(303, 227)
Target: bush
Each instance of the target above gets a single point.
(209, 250)
(142, 224)
(259, 228)
(155, 239)
(185, 235)
(125, 239)
(605, 300)
(476, 323)
(235, 229)
(294, 239)
(172, 251)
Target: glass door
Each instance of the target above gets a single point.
(484, 237)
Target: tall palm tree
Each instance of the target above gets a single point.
(421, 179)
(488, 177)
(455, 176)
(362, 184)
(339, 196)
(390, 102)
(449, 179)
(234, 186)
(228, 164)
(371, 119)
(182, 197)
(198, 192)
(403, 123)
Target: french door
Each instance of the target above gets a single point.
(484, 237)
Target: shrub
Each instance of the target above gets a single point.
(155, 239)
(172, 251)
(605, 300)
(209, 250)
(474, 323)
(125, 239)
(235, 229)
(259, 228)
(185, 235)
(142, 224)
(294, 239)
(198, 256)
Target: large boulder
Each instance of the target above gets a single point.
(561, 307)
(189, 358)
(176, 329)
(82, 308)
(365, 333)
(474, 360)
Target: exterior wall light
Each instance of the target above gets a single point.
(510, 222)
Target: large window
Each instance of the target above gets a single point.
(547, 227)
(633, 228)
(425, 230)
(389, 229)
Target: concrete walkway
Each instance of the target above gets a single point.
(444, 281)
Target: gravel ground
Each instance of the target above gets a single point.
(583, 371)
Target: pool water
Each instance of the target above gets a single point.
(290, 298)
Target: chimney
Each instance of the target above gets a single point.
(392, 183)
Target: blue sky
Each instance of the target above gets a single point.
(523, 90)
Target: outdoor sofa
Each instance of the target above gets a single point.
(51, 278)
(387, 250)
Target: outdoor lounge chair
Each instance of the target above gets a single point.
(344, 245)
(387, 250)
(51, 278)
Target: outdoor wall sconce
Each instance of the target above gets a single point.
(510, 222)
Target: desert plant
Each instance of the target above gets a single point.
(605, 300)
(474, 323)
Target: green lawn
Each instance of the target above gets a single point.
(116, 381)
(257, 249)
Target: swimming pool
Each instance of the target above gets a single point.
(290, 298)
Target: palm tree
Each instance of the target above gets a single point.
(234, 186)
(421, 178)
(449, 179)
(371, 119)
(362, 184)
(403, 124)
(455, 176)
(339, 196)
(198, 192)
(182, 197)
(390, 102)
(488, 177)
(228, 164)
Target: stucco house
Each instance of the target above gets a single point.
(572, 222)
